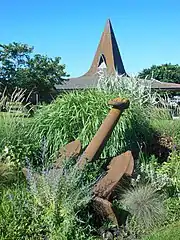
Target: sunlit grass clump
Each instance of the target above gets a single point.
(79, 114)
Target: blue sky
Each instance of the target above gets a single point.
(147, 31)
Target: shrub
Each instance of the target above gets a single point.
(144, 204)
(171, 168)
(165, 178)
(172, 205)
(162, 176)
(50, 207)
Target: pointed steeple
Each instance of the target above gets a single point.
(107, 57)
(107, 54)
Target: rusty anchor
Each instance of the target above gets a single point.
(118, 167)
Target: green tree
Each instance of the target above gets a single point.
(36, 73)
(164, 73)
(13, 59)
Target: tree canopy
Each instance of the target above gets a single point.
(19, 67)
(165, 73)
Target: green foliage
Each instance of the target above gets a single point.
(164, 73)
(170, 232)
(55, 204)
(13, 60)
(171, 168)
(172, 205)
(157, 113)
(6, 173)
(13, 132)
(14, 144)
(38, 73)
(42, 74)
(51, 206)
(80, 114)
(144, 204)
(163, 176)
(168, 128)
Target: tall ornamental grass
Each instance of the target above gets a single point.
(138, 90)
(79, 114)
(13, 117)
(15, 146)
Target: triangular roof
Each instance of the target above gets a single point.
(107, 56)
(109, 52)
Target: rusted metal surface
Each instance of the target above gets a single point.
(104, 208)
(95, 147)
(119, 166)
(71, 150)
